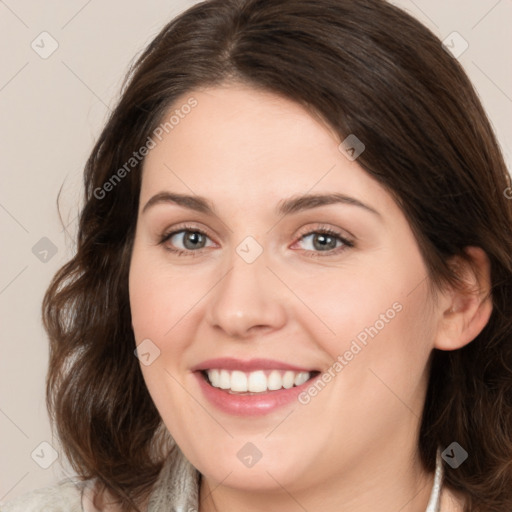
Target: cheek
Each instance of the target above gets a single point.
(162, 301)
(150, 292)
(354, 303)
(380, 328)
(385, 359)
(159, 304)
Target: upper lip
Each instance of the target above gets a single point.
(229, 363)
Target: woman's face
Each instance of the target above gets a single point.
(263, 255)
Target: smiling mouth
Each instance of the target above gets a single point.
(255, 382)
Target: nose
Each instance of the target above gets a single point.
(247, 301)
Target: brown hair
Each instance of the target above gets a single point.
(368, 69)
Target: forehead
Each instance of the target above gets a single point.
(241, 144)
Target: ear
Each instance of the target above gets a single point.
(465, 312)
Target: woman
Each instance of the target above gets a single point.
(296, 219)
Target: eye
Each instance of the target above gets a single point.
(189, 241)
(324, 240)
(186, 240)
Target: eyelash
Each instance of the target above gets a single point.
(181, 229)
(312, 254)
(346, 244)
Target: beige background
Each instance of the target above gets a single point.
(51, 112)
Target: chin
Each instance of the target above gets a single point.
(248, 468)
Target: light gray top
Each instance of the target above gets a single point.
(176, 490)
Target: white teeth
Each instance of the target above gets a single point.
(274, 381)
(301, 378)
(214, 378)
(238, 381)
(256, 382)
(224, 380)
(288, 379)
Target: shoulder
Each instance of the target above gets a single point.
(66, 496)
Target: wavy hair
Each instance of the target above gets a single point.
(367, 68)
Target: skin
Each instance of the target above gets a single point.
(355, 443)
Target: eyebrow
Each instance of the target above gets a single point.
(306, 202)
(197, 203)
(285, 207)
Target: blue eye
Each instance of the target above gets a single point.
(324, 241)
(190, 240)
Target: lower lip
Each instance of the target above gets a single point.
(250, 405)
